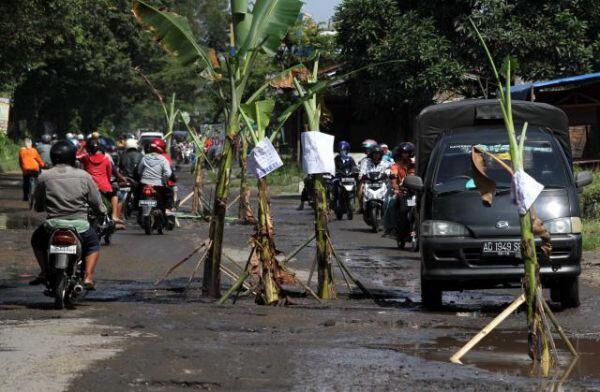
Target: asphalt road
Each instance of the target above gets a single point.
(134, 335)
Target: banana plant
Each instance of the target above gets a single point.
(260, 30)
(245, 213)
(312, 108)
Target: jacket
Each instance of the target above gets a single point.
(154, 169)
(44, 150)
(30, 159)
(65, 192)
(129, 163)
(100, 168)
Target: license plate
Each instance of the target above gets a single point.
(125, 189)
(151, 203)
(502, 248)
(412, 201)
(69, 250)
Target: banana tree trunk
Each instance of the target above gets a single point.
(326, 286)
(245, 210)
(198, 185)
(266, 246)
(539, 341)
(211, 284)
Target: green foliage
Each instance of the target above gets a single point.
(378, 31)
(591, 235)
(9, 154)
(589, 199)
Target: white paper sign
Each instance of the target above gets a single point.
(263, 159)
(317, 153)
(525, 189)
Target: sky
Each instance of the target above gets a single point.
(321, 10)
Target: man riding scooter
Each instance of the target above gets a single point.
(65, 193)
(374, 187)
(343, 185)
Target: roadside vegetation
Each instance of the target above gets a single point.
(590, 213)
(9, 154)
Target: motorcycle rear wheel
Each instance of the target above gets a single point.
(147, 224)
(60, 291)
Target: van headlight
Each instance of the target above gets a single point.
(570, 225)
(435, 228)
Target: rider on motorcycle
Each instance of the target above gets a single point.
(387, 154)
(65, 193)
(154, 169)
(403, 165)
(44, 149)
(372, 163)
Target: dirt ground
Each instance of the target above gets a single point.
(134, 335)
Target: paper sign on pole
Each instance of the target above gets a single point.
(317, 153)
(525, 189)
(263, 159)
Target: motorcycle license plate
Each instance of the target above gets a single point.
(412, 201)
(151, 203)
(69, 250)
(501, 248)
(125, 189)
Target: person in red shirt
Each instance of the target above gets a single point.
(96, 163)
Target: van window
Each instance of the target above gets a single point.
(541, 160)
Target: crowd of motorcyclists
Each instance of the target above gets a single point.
(375, 185)
(84, 185)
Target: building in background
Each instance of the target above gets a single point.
(4, 113)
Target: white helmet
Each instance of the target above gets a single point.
(80, 137)
(69, 135)
(131, 143)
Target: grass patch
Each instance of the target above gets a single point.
(283, 180)
(591, 234)
(9, 154)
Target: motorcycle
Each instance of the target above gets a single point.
(343, 193)
(65, 269)
(128, 191)
(374, 191)
(104, 225)
(407, 227)
(152, 215)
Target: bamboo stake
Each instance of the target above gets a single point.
(347, 271)
(559, 329)
(298, 249)
(312, 270)
(487, 329)
(233, 201)
(181, 262)
(202, 259)
(235, 287)
(308, 289)
(185, 199)
(234, 262)
(539, 298)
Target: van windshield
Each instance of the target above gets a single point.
(541, 161)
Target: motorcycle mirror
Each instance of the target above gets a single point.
(414, 183)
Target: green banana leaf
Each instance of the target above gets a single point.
(173, 32)
(260, 113)
(271, 21)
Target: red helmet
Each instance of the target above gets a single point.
(158, 145)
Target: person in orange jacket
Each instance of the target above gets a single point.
(31, 163)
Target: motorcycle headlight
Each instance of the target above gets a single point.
(435, 228)
(570, 225)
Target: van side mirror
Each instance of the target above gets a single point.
(414, 183)
(583, 179)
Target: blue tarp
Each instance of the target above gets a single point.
(522, 91)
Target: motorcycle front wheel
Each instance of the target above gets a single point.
(375, 218)
(148, 224)
(351, 207)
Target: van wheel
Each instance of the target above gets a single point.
(555, 293)
(569, 293)
(431, 296)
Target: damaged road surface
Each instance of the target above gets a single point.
(133, 335)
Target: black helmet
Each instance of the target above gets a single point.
(375, 149)
(92, 146)
(405, 147)
(63, 151)
(46, 139)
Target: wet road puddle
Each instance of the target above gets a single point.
(18, 222)
(505, 352)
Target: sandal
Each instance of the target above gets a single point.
(89, 286)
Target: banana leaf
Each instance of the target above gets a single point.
(260, 113)
(271, 21)
(173, 32)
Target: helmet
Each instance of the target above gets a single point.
(407, 148)
(80, 137)
(343, 146)
(131, 143)
(63, 151)
(46, 139)
(368, 144)
(158, 145)
(384, 146)
(92, 146)
(375, 149)
(69, 135)
(95, 135)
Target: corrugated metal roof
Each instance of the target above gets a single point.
(521, 91)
